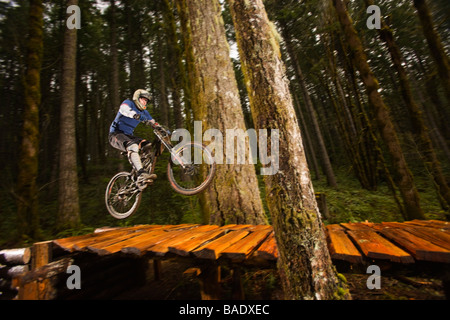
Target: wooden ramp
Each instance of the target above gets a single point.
(112, 259)
(402, 243)
(210, 242)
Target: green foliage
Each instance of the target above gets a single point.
(350, 203)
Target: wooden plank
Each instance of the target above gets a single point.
(184, 249)
(336, 227)
(341, 247)
(376, 247)
(260, 227)
(79, 246)
(443, 225)
(162, 248)
(268, 249)
(41, 254)
(240, 250)
(81, 241)
(140, 247)
(148, 229)
(432, 235)
(394, 225)
(375, 226)
(235, 227)
(100, 246)
(213, 249)
(355, 226)
(420, 248)
(116, 247)
(181, 226)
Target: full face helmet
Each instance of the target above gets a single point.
(140, 93)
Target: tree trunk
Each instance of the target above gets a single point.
(234, 195)
(435, 45)
(185, 69)
(163, 99)
(309, 143)
(68, 206)
(26, 189)
(403, 176)
(304, 262)
(420, 130)
(115, 88)
(174, 57)
(134, 13)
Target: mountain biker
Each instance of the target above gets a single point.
(130, 114)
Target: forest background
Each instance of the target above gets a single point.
(125, 45)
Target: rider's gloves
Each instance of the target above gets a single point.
(156, 125)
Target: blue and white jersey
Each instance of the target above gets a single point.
(124, 121)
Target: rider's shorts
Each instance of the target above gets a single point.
(121, 140)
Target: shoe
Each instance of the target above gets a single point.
(144, 179)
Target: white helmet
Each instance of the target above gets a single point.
(140, 93)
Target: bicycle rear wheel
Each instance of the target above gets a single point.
(122, 197)
(194, 177)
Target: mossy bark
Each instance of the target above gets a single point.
(233, 197)
(26, 189)
(304, 263)
(68, 205)
(402, 176)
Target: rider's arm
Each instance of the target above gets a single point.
(126, 110)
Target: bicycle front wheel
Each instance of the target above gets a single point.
(197, 170)
(122, 197)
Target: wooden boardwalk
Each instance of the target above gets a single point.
(404, 243)
(112, 259)
(356, 243)
(210, 242)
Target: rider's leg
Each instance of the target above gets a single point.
(133, 156)
(135, 160)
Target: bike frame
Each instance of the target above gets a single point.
(161, 140)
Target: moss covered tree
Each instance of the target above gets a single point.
(304, 262)
(26, 189)
(233, 196)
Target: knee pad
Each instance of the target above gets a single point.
(133, 156)
(133, 148)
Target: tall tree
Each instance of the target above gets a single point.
(304, 262)
(215, 101)
(175, 59)
(418, 124)
(435, 44)
(68, 205)
(403, 176)
(115, 92)
(26, 189)
(328, 169)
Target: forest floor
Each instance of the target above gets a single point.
(264, 284)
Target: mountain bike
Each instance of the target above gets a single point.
(190, 170)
